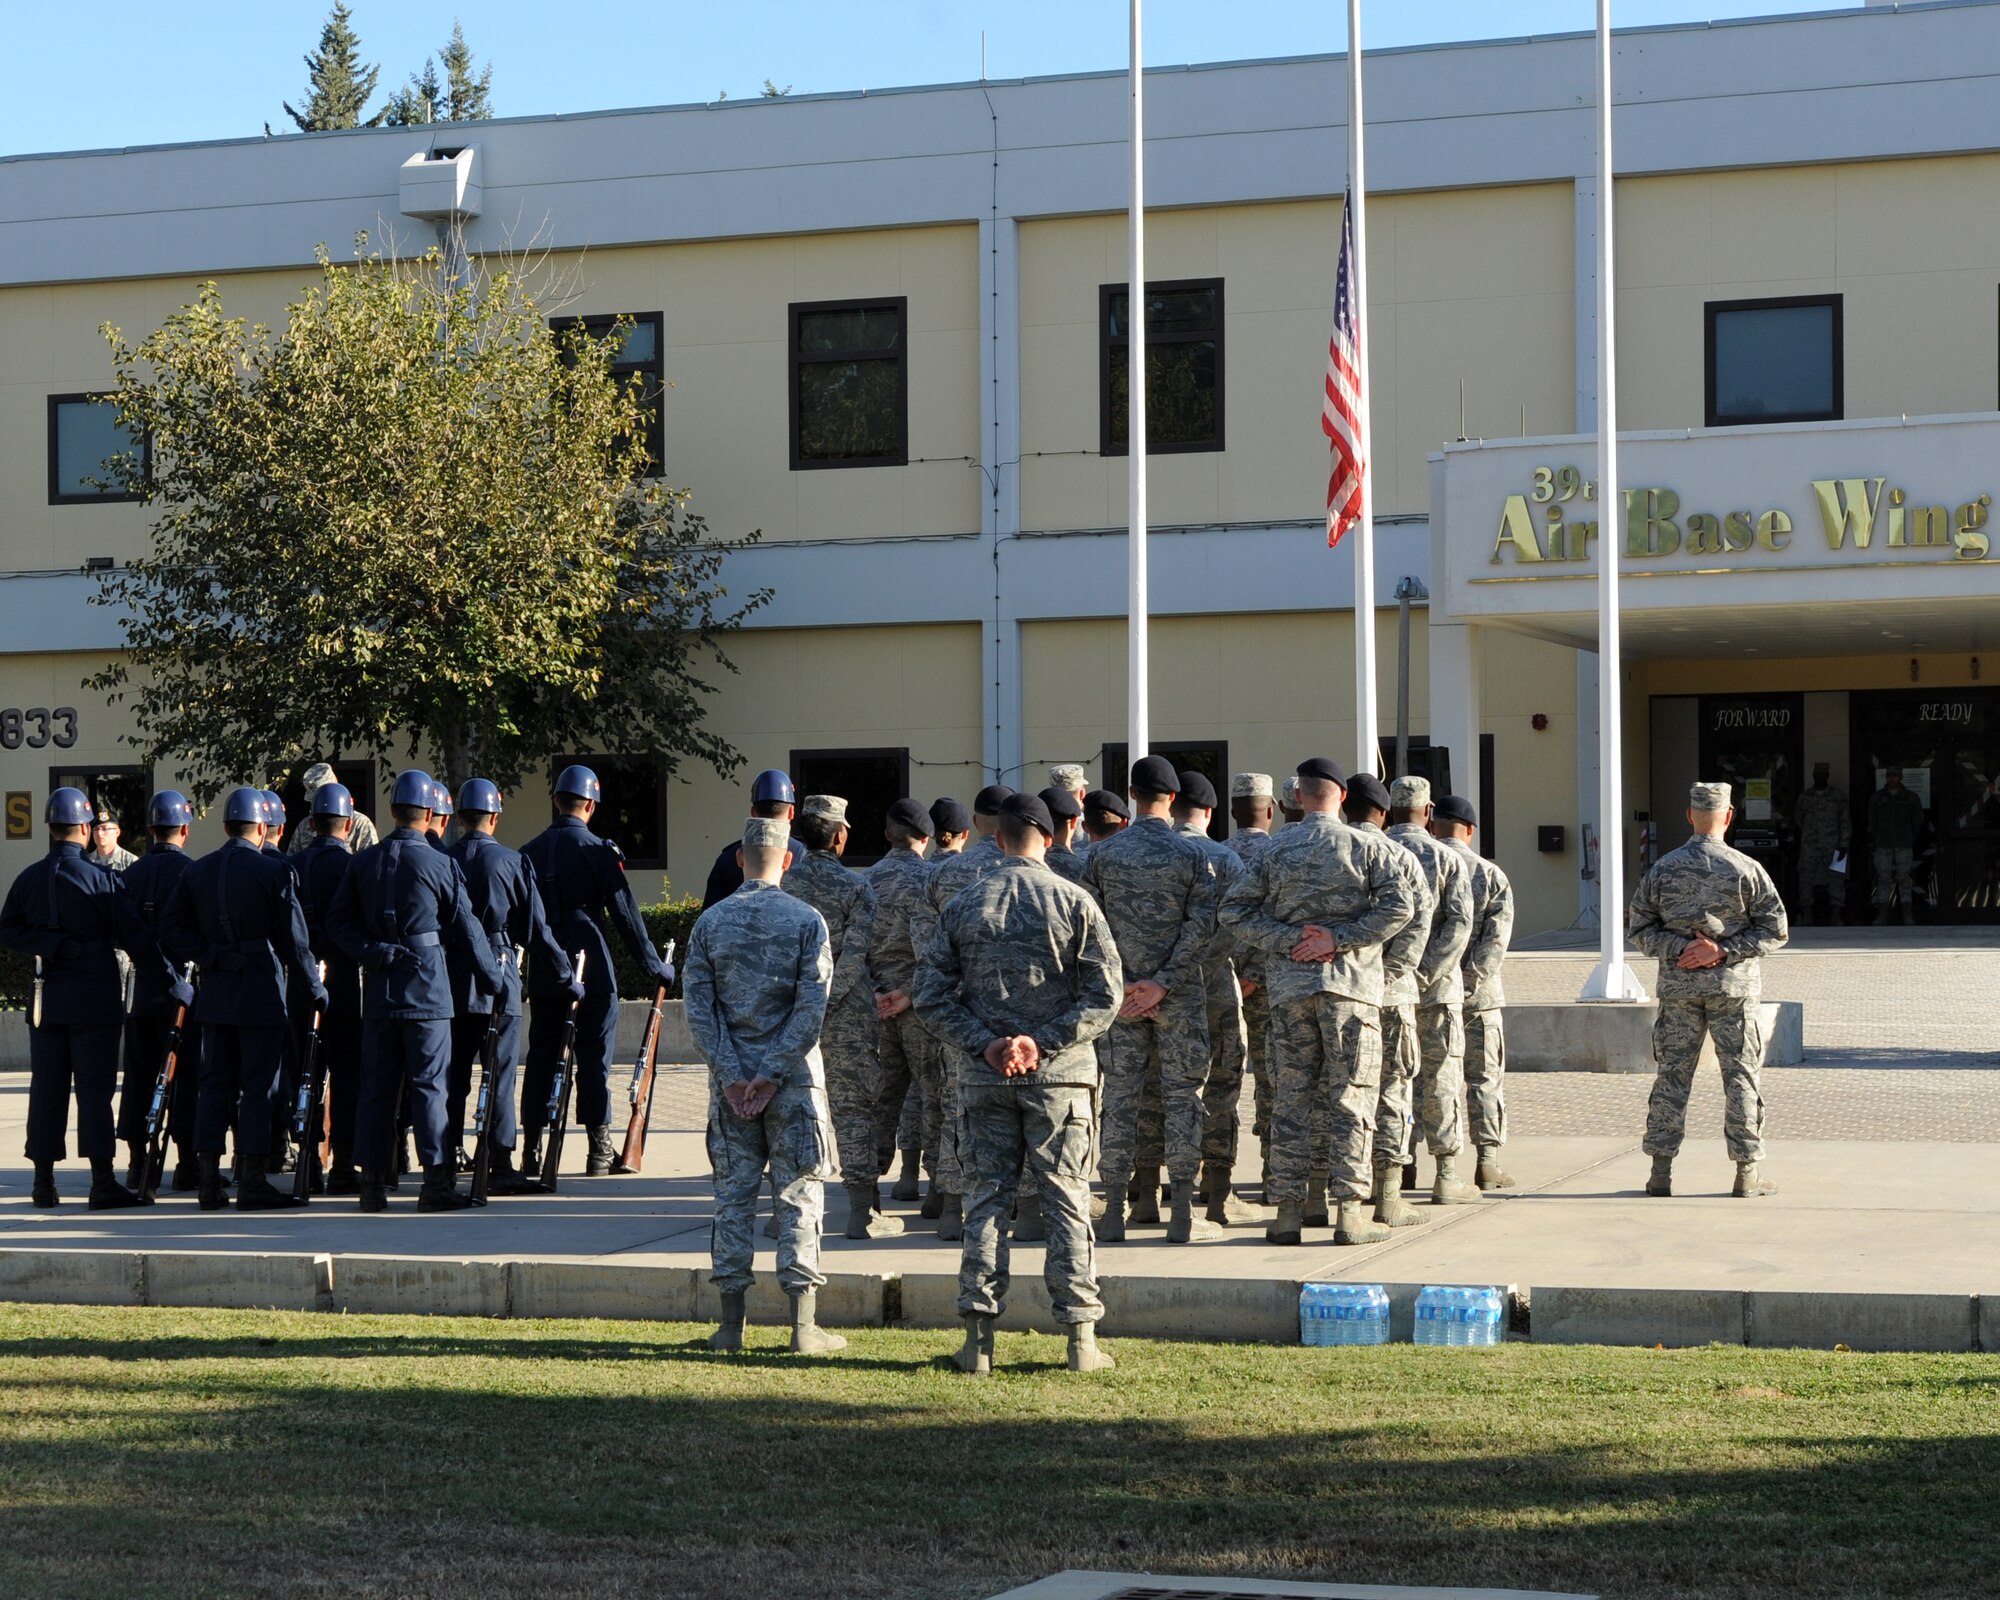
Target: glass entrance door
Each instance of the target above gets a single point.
(1756, 742)
(1947, 744)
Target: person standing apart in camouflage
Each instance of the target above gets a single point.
(1252, 809)
(847, 1039)
(1159, 895)
(362, 836)
(1455, 821)
(1320, 901)
(1018, 979)
(904, 1050)
(1895, 822)
(1709, 914)
(1826, 829)
(759, 967)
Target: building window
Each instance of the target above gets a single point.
(850, 390)
(1209, 757)
(639, 363)
(85, 436)
(125, 790)
(633, 812)
(1183, 366)
(870, 781)
(1774, 360)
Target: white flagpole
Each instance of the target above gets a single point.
(1612, 978)
(1137, 731)
(1368, 744)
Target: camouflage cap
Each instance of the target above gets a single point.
(318, 775)
(1250, 786)
(766, 833)
(1410, 793)
(830, 806)
(1289, 790)
(1708, 797)
(1068, 775)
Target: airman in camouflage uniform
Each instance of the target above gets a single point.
(1253, 808)
(1018, 978)
(1159, 895)
(1826, 829)
(847, 1039)
(363, 837)
(758, 971)
(1709, 913)
(904, 1049)
(1066, 811)
(1320, 901)
(1455, 821)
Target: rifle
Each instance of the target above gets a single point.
(560, 1090)
(643, 1077)
(155, 1153)
(310, 1111)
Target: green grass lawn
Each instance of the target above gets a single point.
(162, 1453)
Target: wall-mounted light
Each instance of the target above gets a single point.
(1539, 722)
(98, 564)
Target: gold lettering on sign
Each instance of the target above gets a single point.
(1930, 525)
(1518, 529)
(1848, 506)
(1739, 532)
(1774, 530)
(1704, 534)
(1651, 531)
(1969, 543)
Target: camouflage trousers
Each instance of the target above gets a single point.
(912, 1099)
(1227, 1052)
(1892, 878)
(847, 1041)
(1732, 1021)
(793, 1139)
(1816, 872)
(1327, 1050)
(1016, 1135)
(1440, 1093)
(1401, 1061)
(1257, 1037)
(1486, 1078)
(1174, 1043)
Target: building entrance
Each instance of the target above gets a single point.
(1947, 744)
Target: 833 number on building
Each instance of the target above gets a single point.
(37, 727)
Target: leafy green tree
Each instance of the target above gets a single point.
(340, 85)
(411, 519)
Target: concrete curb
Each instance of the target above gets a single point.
(1224, 1310)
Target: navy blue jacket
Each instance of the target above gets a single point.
(236, 914)
(582, 879)
(401, 902)
(726, 876)
(64, 899)
(150, 882)
(319, 870)
(501, 886)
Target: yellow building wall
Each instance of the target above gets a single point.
(1471, 285)
(1912, 246)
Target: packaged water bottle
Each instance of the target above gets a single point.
(1432, 1311)
(1486, 1317)
(1312, 1309)
(1456, 1322)
(1343, 1314)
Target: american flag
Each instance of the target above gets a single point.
(1340, 417)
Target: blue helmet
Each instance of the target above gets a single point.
(479, 794)
(246, 805)
(773, 788)
(169, 809)
(333, 800)
(414, 788)
(579, 781)
(441, 804)
(274, 806)
(69, 808)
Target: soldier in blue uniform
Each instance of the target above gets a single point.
(772, 796)
(501, 887)
(150, 882)
(401, 903)
(236, 914)
(442, 811)
(321, 868)
(71, 916)
(582, 880)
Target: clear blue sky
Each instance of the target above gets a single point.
(116, 72)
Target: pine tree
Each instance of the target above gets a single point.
(419, 101)
(467, 99)
(340, 84)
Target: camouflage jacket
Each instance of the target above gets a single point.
(1492, 929)
(1404, 948)
(1824, 820)
(1245, 843)
(755, 980)
(847, 906)
(363, 837)
(1706, 887)
(1320, 871)
(1159, 895)
(897, 882)
(1066, 861)
(1439, 980)
(948, 875)
(1021, 951)
(1228, 866)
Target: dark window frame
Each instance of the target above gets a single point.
(795, 358)
(593, 759)
(1118, 776)
(867, 853)
(133, 833)
(1106, 361)
(56, 496)
(1832, 302)
(595, 326)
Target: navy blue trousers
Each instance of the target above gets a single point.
(468, 1037)
(596, 1033)
(394, 1051)
(239, 1085)
(63, 1058)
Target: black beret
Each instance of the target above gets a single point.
(1061, 802)
(1029, 806)
(908, 814)
(1322, 767)
(1456, 808)
(1367, 787)
(950, 816)
(1197, 791)
(1111, 804)
(1155, 775)
(986, 803)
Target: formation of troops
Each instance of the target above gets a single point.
(1017, 997)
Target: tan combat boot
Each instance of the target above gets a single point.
(730, 1335)
(1288, 1227)
(1391, 1209)
(1353, 1226)
(1182, 1228)
(906, 1188)
(1487, 1175)
(951, 1217)
(1450, 1190)
(1110, 1228)
(808, 1337)
(1084, 1356)
(1223, 1207)
(975, 1357)
(1145, 1196)
(1661, 1184)
(1750, 1182)
(1316, 1213)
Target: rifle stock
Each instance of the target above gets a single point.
(311, 1108)
(482, 1115)
(643, 1074)
(565, 1083)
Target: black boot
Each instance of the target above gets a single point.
(601, 1154)
(501, 1178)
(187, 1171)
(440, 1190)
(44, 1193)
(531, 1156)
(256, 1193)
(374, 1193)
(136, 1150)
(106, 1192)
(341, 1178)
(211, 1196)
